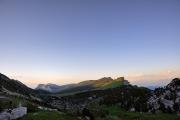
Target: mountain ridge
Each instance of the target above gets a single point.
(102, 83)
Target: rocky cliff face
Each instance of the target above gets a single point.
(166, 99)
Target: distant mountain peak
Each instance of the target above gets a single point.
(53, 88)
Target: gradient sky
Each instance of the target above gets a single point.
(66, 41)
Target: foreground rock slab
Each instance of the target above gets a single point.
(14, 114)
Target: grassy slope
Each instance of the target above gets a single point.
(100, 85)
(90, 85)
(113, 84)
(48, 115)
(116, 113)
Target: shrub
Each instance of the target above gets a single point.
(31, 107)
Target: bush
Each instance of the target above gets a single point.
(31, 107)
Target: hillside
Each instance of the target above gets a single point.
(13, 86)
(15, 92)
(14, 95)
(127, 97)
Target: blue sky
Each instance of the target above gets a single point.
(65, 41)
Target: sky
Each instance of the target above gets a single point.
(67, 41)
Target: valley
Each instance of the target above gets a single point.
(108, 99)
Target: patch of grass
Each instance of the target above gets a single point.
(13, 102)
(115, 113)
(48, 115)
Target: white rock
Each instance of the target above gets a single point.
(15, 113)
